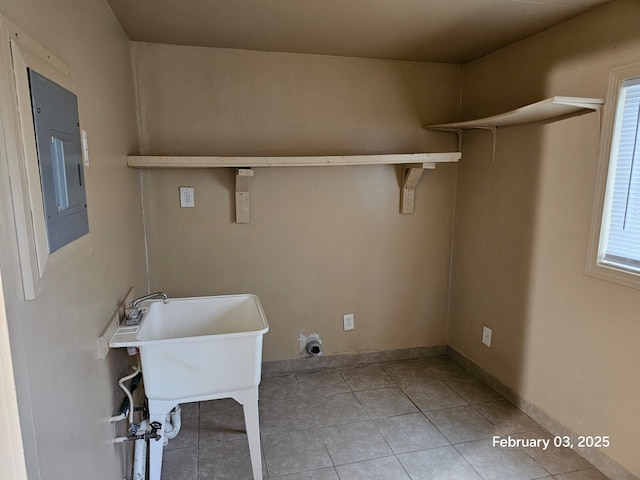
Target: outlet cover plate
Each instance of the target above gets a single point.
(348, 321)
(187, 199)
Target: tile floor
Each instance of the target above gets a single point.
(413, 420)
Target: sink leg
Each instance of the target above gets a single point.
(155, 448)
(253, 432)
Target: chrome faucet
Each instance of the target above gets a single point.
(133, 314)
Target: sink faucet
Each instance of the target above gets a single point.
(133, 315)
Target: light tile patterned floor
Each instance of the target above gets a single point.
(414, 420)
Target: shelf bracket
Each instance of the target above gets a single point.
(493, 131)
(243, 183)
(411, 176)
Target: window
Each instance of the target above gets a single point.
(620, 235)
(617, 256)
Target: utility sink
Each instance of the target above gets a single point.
(196, 349)
(198, 346)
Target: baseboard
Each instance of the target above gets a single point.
(308, 363)
(595, 456)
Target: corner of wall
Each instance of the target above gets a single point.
(142, 146)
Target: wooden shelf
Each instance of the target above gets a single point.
(414, 165)
(154, 161)
(554, 108)
(549, 110)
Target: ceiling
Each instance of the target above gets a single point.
(455, 31)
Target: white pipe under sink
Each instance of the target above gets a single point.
(173, 424)
(140, 453)
(140, 460)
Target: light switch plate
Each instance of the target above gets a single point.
(486, 336)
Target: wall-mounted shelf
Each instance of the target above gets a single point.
(548, 110)
(554, 108)
(156, 161)
(414, 165)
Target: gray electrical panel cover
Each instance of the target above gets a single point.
(57, 127)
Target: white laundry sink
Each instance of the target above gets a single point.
(198, 346)
(196, 349)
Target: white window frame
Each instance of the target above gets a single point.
(40, 269)
(595, 265)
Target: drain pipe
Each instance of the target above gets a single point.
(140, 454)
(140, 459)
(140, 430)
(173, 424)
(172, 428)
(141, 433)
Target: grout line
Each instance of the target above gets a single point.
(465, 459)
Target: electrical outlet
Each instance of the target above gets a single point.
(187, 198)
(349, 322)
(486, 336)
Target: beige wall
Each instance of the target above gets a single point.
(65, 394)
(328, 241)
(322, 241)
(566, 341)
